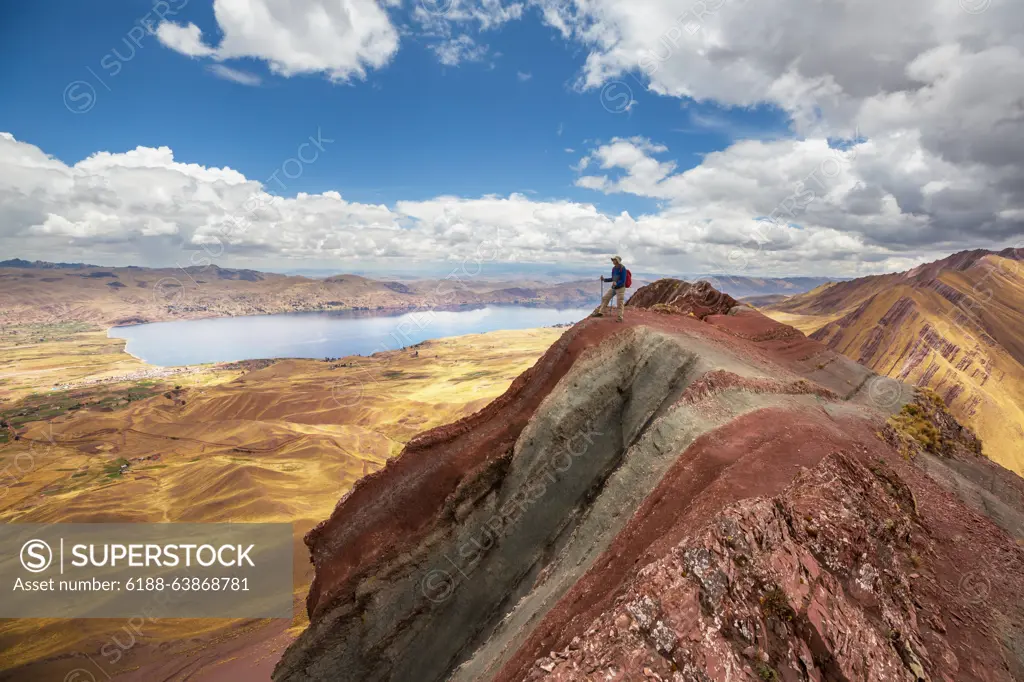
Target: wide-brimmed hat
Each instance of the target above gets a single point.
(617, 259)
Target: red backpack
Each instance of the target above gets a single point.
(629, 279)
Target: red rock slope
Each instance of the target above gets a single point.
(676, 499)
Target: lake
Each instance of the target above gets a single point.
(320, 335)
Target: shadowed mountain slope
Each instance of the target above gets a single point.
(955, 326)
(700, 493)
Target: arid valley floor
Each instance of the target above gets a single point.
(105, 437)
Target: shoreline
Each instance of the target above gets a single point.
(395, 311)
(462, 308)
(124, 348)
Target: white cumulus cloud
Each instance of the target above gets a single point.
(880, 205)
(342, 39)
(187, 39)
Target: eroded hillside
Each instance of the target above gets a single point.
(698, 494)
(257, 441)
(955, 326)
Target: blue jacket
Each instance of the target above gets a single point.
(618, 278)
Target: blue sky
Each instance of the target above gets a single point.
(458, 123)
(414, 130)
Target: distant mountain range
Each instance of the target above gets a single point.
(41, 265)
(742, 286)
(734, 285)
(35, 291)
(131, 295)
(955, 325)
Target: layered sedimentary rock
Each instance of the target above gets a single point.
(955, 326)
(699, 299)
(705, 497)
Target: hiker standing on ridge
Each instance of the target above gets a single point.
(620, 280)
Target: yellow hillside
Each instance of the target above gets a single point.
(281, 443)
(960, 333)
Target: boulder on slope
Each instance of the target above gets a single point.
(675, 295)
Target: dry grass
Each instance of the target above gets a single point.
(940, 344)
(808, 324)
(914, 423)
(774, 604)
(35, 358)
(277, 444)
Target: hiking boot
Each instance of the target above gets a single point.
(597, 314)
(619, 320)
